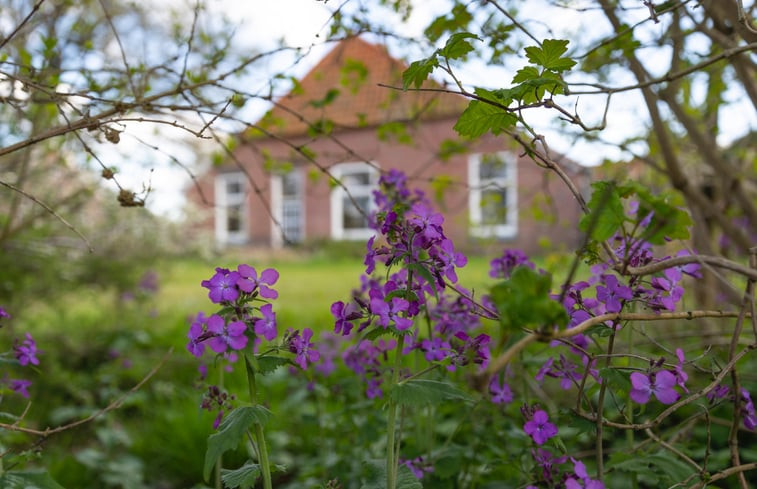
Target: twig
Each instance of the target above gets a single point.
(51, 211)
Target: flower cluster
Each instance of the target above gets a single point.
(25, 352)
(410, 236)
(246, 318)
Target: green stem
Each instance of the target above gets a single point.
(391, 460)
(265, 466)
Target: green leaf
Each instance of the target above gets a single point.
(480, 118)
(606, 214)
(28, 480)
(243, 477)
(424, 273)
(420, 392)
(661, 467)
(330, 96)
(549, 55)
(419, 71)
(231, 431)
(457, 45)
(524, 300)
(270, 363)
(525, 74)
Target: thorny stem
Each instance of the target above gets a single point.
(265, 466)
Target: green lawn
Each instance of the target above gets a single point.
(307, 286)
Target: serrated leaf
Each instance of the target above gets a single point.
(270, 363)
(31, 479)
(606, 214)
(419, 392)
(525, 74)
(231, 432)
(479, 118)
(457, 45)
(549, 55)
(243, 477)
(419, 71)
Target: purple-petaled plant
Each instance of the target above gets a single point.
(500, 393)
(222, 286)
(197, 335)
(266, 326)
(303, 348)
(223, 335)
(249, 281)
(26, 351)
(418, 466)
(580, 478)
(503, 266)
(661, 384)
(538, 426)
(613, 293)
(4, 313)
(747, 411)
(20, 386)
(395, 311)
(435, 349)
(344, 314)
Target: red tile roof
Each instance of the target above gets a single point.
(349, 77)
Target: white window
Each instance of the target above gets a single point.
(349, 210)
(493, 198)
(288, 208)
(231, 208)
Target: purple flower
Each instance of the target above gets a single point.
(612, 294)
(500, 394)
(681, 376)
(218, 419)
(503, 266)
(248, 281)
(222, 286)
(4, 313)
(230, 335)
(719, 392)
(581, 479)
(418, 466)
(426, 223)
(344, 313)
(197, 335)
(435, 349)
(20, 386)
(26, 352)
(266, 326)
(303, 348)
(539, 428)
(391, 311)
(661, 384)
(748, 413)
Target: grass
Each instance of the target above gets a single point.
(307, 286)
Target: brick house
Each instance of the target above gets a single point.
(338, 121)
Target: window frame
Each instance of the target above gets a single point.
(277, 206)
(223, 201)
(338, 194)
(477, 186)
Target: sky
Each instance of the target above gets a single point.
(304, 23)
